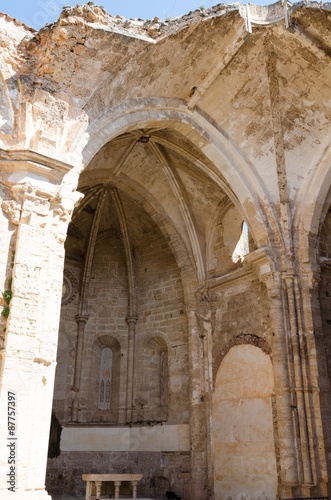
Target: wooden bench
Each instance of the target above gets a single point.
(94, 482)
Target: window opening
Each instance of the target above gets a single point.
(106, 363)
(242, 247)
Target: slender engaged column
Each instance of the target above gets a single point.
(131, 320)
(319, 394)
(284, 404)
(299, 385)
(206, 300)
(132, 317)
(81, 322)
(197, 417)
(82, 317)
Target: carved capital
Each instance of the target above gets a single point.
(131, 320)
(27, 200)
(46, 209)
(288, 279)
(58, 178)
(204, 294)
(12, 209)
(81, 319)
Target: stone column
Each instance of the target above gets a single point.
(206, 302)
(39, 222)
(81, 322)
(299, 386)
(318, 393)
(297, 404)
(285, 408)
(132, 321)
(197, 413)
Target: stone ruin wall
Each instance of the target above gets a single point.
(264, 137)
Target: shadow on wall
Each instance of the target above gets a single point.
(54, 437)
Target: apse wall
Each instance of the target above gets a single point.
(156, 442)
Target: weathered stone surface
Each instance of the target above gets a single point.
(165, 250)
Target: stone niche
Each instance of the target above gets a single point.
(244, 451)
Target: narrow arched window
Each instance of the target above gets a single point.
(105, 378)
(108, 392)
(242, 247)
(102, 391)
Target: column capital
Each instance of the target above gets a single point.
(81, 318)
(205, 294)
(33, 176)
(37, 199)
(47, 209)
(27, 199)
(289, 279)
(131, 320)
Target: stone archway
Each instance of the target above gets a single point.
(243, 439)
(221, 160)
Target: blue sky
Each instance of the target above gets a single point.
(37, 13)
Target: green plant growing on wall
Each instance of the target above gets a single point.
(7, 294)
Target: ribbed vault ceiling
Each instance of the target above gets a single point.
(155, 168)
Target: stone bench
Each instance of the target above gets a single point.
(96, 480)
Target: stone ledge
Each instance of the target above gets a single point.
(161, 438)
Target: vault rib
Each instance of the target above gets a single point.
(82, 316)
(220, 65)
(179, 193)
(131, 318)
(280, 159)
(82, 308)
(123, 157)
(198, 163)
(127, 248)
(309, 42)
(86, 200)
